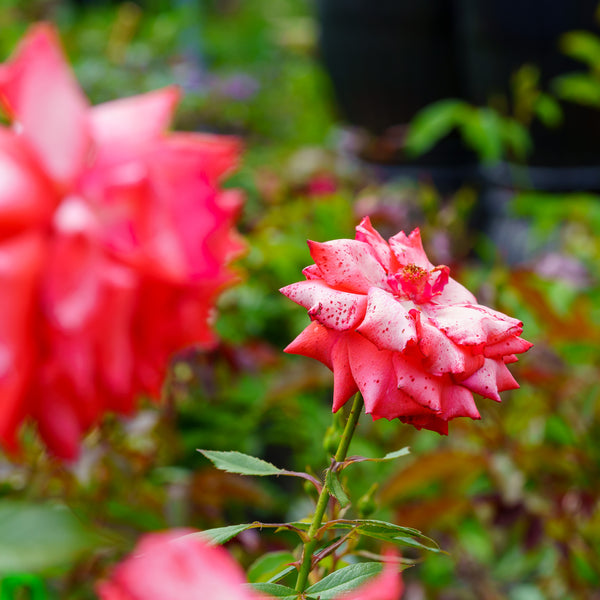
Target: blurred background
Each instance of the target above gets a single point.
(478, 122)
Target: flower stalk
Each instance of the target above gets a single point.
(340, 456)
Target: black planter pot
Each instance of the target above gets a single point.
(496, 37)
(387, 60)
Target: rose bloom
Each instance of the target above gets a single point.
(400, 330)
(114, 241)
(174, 566)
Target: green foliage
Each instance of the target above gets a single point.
(581, 88)
(336, 489)
(583, 46)
(271, 567)
(432, 124)
(484, 130)
(236, 462)
(220, 535)
(39, 538)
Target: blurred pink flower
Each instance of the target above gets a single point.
(175, 566)
(114, 243)
(411, 339)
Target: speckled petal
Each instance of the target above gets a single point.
(422, 386)
(409, 249)
(474, 325)
(511, 345)
(430, 422)
(457, 401)
(338, 310)
(443, 355)
(376, 379)
(387, 323)
(349, 264)
(344, 386)
(454, 293)
(315, 342)
(492, 378)
(312, 272)
(366, 233)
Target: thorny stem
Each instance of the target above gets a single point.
(340, 456)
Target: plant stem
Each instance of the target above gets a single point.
(340, 456)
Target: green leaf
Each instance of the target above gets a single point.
(583, 46)
(332, 481)
(270, 567)
(344, 580)
(220, 535)
(516, 138)
(275, 590)
(432, 124)
(35, 538)
(581, 88)
(482, 132)
(243, 464)
(548, 110)
(396, 454)
(389, 532)
(389, 456)
(12, 587)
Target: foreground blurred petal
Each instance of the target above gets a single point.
(38, 90)
(134, 238)
(174, 565)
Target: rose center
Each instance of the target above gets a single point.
(419, 284)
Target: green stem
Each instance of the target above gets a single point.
(340, 456)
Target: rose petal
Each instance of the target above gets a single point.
(443, 355)
(39, 91)
(474, 325)
(25, 197)
(374, 373)
(312, 272)
(366, 233)
(386, 322)
(454, 293)
(409, 249)
(338, 310)
(123, 128)
(176, 564)
(457, 401)
(349, 264)
(430, 422)
(511, 345)
(330, 348)
(492, 378)
(20, 263)
(422, 386)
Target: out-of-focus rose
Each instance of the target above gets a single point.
(401, 331)
(114, 242)
(175, 566)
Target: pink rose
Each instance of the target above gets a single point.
(411, 339)
(175, 566)
(114, 241)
